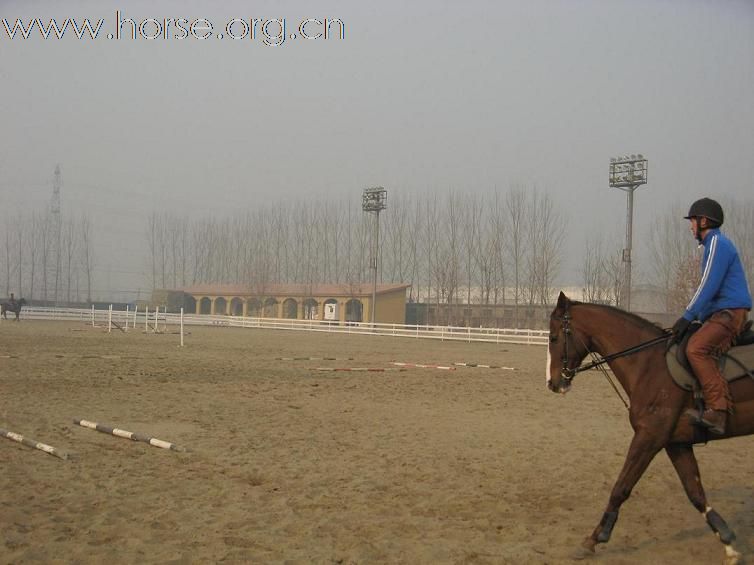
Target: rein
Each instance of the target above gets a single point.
(568, 374)
(608, 358)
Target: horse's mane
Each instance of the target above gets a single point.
(635, 318)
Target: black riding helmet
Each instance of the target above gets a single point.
(707, 208)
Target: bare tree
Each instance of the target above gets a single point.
(9, 262)
(686, 279)
(471, 213)
(615, 273)
(486, 250)
(552, 230)
(19, 231)
(670, 244)
(448, 255)
(740, 227)
(414, 232)
(32, 250)
(152, 238)
(602, 269)
(45, 238)
(68, 249)
(515, 204)
(86, 253)
(592, 270)
(429, 246)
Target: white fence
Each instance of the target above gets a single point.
(141, 320)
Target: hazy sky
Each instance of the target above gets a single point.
(419, 97)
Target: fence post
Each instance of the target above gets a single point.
(110, 319)
(181, 326)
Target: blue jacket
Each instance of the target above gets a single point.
(723, 283)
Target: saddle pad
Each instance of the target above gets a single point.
(731, 369)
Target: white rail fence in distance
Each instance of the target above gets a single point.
(149, 321)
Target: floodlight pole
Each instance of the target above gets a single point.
(628, 174)
(374, 200)
(629, 237)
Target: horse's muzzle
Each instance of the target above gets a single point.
(562, 387)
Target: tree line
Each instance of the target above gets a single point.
(455, 248)
(452, 248)
(48, 257)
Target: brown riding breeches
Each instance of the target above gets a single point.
(705, 347)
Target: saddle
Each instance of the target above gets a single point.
(734, 364)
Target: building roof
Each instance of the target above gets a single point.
(303, 290)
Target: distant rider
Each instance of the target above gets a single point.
(721, 303)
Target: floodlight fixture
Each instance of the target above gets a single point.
(374, 199)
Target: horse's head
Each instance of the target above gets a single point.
(566, 349)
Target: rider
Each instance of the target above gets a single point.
(12, 301)
(721, 303)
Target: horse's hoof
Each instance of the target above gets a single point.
(732, 557)
(585, 550)
(582, 553)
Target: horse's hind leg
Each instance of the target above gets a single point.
(684, 461)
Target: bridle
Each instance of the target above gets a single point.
(568, 373)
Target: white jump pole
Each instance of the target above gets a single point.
(135, 311)
(110, 319)
(127, 312)
(156, 315)
(146, 319)
(181, 326)
(92, 315)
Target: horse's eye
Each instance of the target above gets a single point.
(553, 338)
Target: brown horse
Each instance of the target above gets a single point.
(635, 351)
(14, 307)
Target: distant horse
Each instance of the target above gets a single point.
(15, 307)
(635, 350)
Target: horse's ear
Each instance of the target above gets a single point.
(563, 300)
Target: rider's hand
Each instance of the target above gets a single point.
(679, 330)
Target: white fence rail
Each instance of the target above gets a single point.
(141, 320)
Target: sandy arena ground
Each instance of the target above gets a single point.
(291, 465)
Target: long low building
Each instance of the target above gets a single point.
(336, 302)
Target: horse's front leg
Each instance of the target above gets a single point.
(644, 446)
(684, 461)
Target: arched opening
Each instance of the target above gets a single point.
(236, 307)
(310, 309)
(189, 304)
(270, 308)
(354, 310)
(254, 308)
(331, 310)
(205, 306)
(290, 308)
(221, 306)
